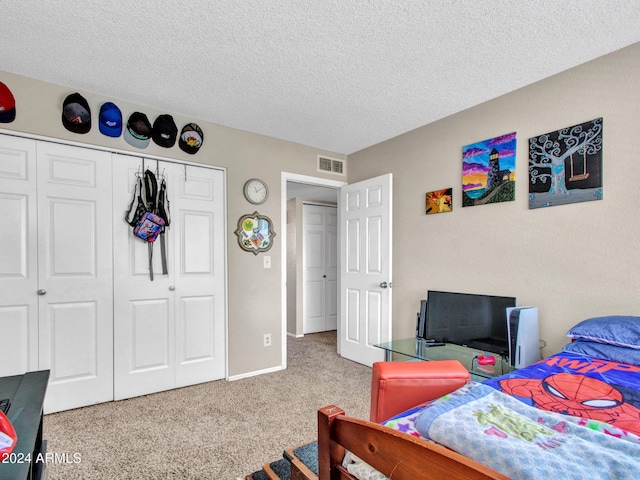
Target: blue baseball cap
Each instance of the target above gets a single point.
(110, 120)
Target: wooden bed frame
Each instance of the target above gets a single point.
(397, 455)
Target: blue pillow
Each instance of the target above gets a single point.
(620, 330)
(604, 351)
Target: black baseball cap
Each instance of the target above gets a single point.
(191, 138)
(165, 131)
(76, 114)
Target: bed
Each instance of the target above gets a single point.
(573, 415)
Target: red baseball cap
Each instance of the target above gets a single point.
(7, 105)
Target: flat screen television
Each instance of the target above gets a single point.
(475, 321)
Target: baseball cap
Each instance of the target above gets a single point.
(110, 120)
(191, 138)
(138, 131)
(76, 114)
(164, 131)
(7, 104)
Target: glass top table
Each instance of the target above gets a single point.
(420, 350)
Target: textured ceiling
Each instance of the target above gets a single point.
(339, 75)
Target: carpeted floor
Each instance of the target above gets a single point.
(218, 430)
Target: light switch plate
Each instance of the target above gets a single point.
(266, 261)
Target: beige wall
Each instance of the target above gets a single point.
(572, 261)
(254, 292)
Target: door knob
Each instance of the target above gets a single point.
(384, 285)
(42, 291)
(171, 288)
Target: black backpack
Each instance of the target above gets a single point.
(151, 215)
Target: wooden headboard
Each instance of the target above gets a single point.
(395, 454)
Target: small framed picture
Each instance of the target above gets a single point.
(439, 201)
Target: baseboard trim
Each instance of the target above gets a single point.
(255, 373)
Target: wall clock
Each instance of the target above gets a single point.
(256, 191)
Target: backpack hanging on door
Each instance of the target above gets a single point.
(151, 215)
(164, 213)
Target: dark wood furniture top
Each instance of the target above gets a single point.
(26, 393)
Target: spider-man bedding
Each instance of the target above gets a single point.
(592, 391)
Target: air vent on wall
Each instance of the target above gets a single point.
(332, 165)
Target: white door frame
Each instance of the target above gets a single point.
(308, 180)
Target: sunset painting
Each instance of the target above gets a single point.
(489, 171)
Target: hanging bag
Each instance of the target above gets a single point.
(150, 216)
(149, 227)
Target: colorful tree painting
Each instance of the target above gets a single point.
(565, 166)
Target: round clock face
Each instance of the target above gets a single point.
(256, 191)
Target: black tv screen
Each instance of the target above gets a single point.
(475, 321)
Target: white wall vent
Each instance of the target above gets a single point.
(332, 165)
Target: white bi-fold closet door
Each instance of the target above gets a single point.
(68, 261)
(170, 332)
(56, 293)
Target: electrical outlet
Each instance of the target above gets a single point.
(267, 339)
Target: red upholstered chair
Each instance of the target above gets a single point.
(398, 386)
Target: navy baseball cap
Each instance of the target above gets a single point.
(110, 120)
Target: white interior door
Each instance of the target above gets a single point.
(319, 262)
(75, 275)
(365, 264)
(18, 256)
(170, 332)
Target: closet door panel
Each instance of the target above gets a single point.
(150, 335)
(75, 327)
(187, 346)
(18, 256)
(200, 274)
(144, 320)
(75, 275)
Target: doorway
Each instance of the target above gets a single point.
(295, 189)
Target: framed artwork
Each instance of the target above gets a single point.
(565, 166)
(489, 171)
(439, 201)
(255, 233)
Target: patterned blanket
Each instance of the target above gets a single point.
(524, 442)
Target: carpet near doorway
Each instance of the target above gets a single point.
(218, 430)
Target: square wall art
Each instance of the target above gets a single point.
(489, 171)
(565, 166)
(439, 201)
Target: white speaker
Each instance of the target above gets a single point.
(522, 328)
